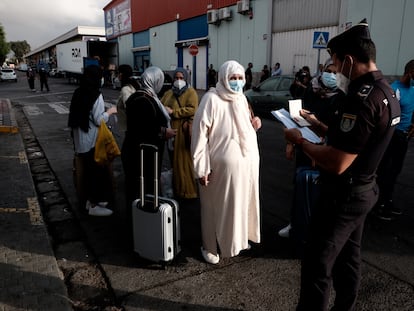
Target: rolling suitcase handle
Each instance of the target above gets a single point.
(141, 178)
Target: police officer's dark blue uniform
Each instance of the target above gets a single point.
(358, 135)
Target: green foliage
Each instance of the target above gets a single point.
(20, 48)
(4, 46)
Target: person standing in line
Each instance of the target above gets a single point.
(147, 123)
(226, 163)
(265, 73)
(128, 87)
(43, 79)
(189, 77)
(31, 78)
(393, 160)
(321, 102)
(277, 71)
(357, 138)
(211, 76)
(249, 77)
(181, 102)
(87, 110)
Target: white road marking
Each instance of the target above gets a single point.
(59, 108)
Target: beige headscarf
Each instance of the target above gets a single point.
(238, 101)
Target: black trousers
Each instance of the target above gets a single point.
(333, 252)
(391, 165)
(44, 83)
(93, 182)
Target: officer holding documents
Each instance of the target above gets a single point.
(358, 134)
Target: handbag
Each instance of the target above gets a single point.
(106, 148)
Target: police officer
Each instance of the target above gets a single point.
(393, 160)
(357, 137)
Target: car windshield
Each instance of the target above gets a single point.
(270, 85)
(276, 84)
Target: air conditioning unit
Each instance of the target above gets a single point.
(225, 13)
(243, 6)
(212, 16)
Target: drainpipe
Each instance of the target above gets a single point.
(269, 34)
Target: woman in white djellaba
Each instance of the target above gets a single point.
(226, 162)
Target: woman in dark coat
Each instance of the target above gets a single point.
(147, 122)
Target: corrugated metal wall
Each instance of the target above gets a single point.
(303, 14)
(391, 24)
(294, 49)
(124, 49)
(293, 25)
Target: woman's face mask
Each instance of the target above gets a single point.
(329, 79)
(179, 84)
(236, 85)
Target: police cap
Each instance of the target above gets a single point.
(346, 42)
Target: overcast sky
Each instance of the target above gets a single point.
(40, 21)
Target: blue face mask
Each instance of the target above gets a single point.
(411, 82)
(329, 80)
(236, 85)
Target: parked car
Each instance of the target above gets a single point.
(8, 74)
(271, 94)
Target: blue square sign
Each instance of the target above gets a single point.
(320, 39)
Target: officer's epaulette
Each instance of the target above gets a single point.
(365, 90)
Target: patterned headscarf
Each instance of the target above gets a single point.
(152, 81)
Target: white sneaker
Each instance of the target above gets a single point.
(98, 210)
(103, 204)
(209, 257)
(284, 232)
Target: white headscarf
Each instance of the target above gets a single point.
(238, 101)
(152, 81)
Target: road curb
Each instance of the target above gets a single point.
(8, 122)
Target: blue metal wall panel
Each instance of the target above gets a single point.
(141, 39)
(192, 28)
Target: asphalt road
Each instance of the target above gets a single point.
(266, 278)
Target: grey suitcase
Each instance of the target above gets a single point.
(155, 220)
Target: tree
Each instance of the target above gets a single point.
(20, 48)
(4, 46)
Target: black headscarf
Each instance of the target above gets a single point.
(84, 98)
(126, 76)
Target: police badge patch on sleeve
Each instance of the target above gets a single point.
(347, 122)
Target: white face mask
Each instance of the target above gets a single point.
(342, 81)
(179, 84)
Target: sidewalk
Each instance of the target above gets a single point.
(29, 275)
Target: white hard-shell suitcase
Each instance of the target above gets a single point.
(155, 220)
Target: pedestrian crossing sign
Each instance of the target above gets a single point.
(320, 39)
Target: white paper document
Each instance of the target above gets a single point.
(283, 116)
(295, 106)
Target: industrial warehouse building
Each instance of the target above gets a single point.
(169, 33)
